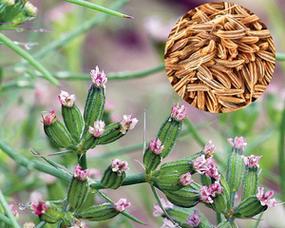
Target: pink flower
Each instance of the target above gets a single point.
(122, 204)
(194, 219)
(39, 208)
(156, 146)
(207, 167)
(205, 195)
(49, 118)
(80, 174)
(157, 211)
(119, 166)
(14, 210)
(99, 79)
(178, 112)
(238, 143)
(252, 161)
(265, 198)
(200, 164)
(168, 224)
(212, 169)
(66, 99)
(209, 149)
(98, 129)
(128, 123)
(215, 189)
(185, 179)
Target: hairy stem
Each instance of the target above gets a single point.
(282, 155)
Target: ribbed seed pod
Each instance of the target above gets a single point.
(168, 134)
(185, 197)
(235, 170)
(167, 177)
(98, 212)
(73, 121)
(111, 134)
(220, 204)
(226, 190)
(205, 180)
(94, 106)
(112, 179)
(52, 215)
(58, 135)
(250, 182)
(77, 193)
(249, 207)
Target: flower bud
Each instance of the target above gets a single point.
(185, 197)
(100, 212)
(71, 114)
(194, 219)
(78, 188)
(178, 112)
(47, 212)
(98, 129)
(122, 205)
(94, 106)
(250, 180)
(209, 149)
(152, 156)
(238, 143)
(30, 10)
(56, 131)
(115, 174)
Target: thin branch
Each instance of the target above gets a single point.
(281, 159)
(93, 6)
(10, 215)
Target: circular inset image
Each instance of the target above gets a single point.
(219, 57)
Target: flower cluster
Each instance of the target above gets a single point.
(49, 118)
(178, 112)
(194, 219)
(186, 179)
(39, 208)
(207, 193)
(99, 78)
(209, 149)
(265, 198)
(98, 129)
(80, 174)
(66, 99)
(238, 143)
(206, 166)
(119, 166)
(252, 161)
(156, 146)
(122, 204)
(128, 123)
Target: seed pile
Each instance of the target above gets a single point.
(219, 57)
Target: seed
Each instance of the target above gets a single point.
(219, 57)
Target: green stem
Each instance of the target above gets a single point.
(111, 76)
(79, 30)
(156, 196)
(5, 219)
(232, 198)
(15, 85)
(5, 205)
(28, 57)
(97, 7)
(280, 56)
(281, 159)
(218, 217)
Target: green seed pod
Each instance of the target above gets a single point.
(167, 177)
(100, 212)
(94, 106)
(52, 215)
(168, 134)
(151, 161)
(226, 189)
(111, 134)
(220, 204)
(112, 179)
(250, 180)
(30, 10)
(73, 121)
(185, 197)
(78, 189)
(56, 131)
(205, 180)
(249, 207)
(235, 170)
